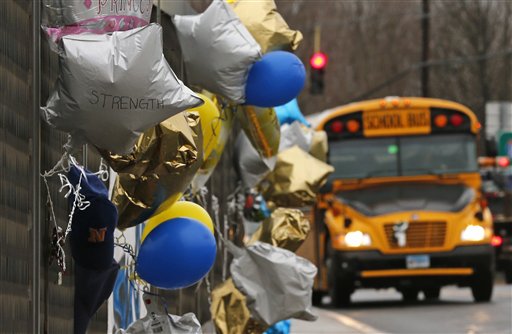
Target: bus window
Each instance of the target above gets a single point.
(454, 153)
(361, 158)
(402, 156)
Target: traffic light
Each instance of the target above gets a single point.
(318, 62)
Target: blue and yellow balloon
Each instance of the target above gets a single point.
(176, 254)
(180, 209)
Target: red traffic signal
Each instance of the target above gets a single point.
(503, 161)
(318, 60)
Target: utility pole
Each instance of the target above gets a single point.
(425, 37)
(316, 40)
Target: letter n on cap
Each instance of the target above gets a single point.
(97, 235)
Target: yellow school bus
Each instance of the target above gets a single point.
(403, 208)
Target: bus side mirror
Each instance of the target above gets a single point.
(326, 188)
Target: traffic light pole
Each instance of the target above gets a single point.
(425, 30)
(318, 34)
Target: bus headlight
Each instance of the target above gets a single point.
(357, 239)
(473, 233)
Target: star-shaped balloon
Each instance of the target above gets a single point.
(112, 88)
(218, 50)
(266, 25)
(277, 283)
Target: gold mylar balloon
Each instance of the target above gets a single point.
(221, 129)
(162, 165)
(209, 114)
(266, 25)
(262, 128)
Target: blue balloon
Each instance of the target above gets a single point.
(176, 254)
(289, 113)
(281, 327)
(274, 80)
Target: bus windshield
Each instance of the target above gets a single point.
(403, 156)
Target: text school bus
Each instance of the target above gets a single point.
(403, 207)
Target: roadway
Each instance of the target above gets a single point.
(382, 311)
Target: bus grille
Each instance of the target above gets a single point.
(419, 235)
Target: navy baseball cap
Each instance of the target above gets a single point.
(92, 288)
(91, 185)
(92, 229)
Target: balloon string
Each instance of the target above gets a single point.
(103, 172)
(206, 280)
(128, 249)
(56, 244)
(215, 209)
(59, 238)
(121, 242)
(137, 283)
(77, 202)
(225, 250)
(61, 166)
(222, 232)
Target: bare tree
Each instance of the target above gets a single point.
(472, 48)
(367, 42)
(374, 49)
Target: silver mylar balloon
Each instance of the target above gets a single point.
(113, 87)
(157, 321)
(277, 283)
(218, 50)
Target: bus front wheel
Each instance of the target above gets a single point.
(410, 295)
(316, 298)
(482, 286)
(508, 274)
(340, 293)
(340, 286)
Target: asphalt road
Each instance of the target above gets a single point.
(383, 311)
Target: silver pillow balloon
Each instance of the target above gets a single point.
(277, 283)
(113, 87)
(218, 50)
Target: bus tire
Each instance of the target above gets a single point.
(340, 286)
(508, 274)
(482, 286)
(432, 293)
(410, 295)
(340, 293)
(316, 298)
